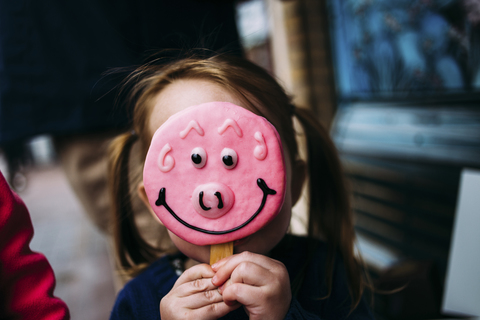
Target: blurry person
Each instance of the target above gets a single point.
(26, 278)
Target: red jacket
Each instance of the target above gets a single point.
(26, 278)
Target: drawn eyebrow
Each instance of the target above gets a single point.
(192, 125)
(233, 124)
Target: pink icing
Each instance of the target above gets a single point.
(216, 197)
(235, 189)
(191, 125)
(229, 123)
(260, 151)
(165, 161)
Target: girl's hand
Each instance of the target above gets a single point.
(195, 297)
(259, 283)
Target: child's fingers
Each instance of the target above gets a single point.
(220, 263)
(202, 299)
(251, 273)
(259, 302)
(215, 310)
(198, 306)
(194, 287)
(200, 271)
(224, 271)
(241, 293)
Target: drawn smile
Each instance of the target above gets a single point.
(261, 184)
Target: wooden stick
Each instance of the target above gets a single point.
(220, 251)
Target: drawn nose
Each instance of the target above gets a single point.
(212, 200)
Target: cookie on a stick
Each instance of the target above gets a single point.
(215, 174)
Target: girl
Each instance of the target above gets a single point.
(272, 275)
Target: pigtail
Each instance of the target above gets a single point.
(131, 249)
(330, 216)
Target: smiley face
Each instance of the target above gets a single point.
(215, 173)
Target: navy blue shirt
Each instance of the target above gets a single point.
(140, 298)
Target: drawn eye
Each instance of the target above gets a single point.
(199, 157)
(229, 158)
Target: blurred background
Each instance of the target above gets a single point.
(397, 82)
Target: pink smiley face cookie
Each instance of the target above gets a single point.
(215, 173)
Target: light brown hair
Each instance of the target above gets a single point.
(329, 216)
